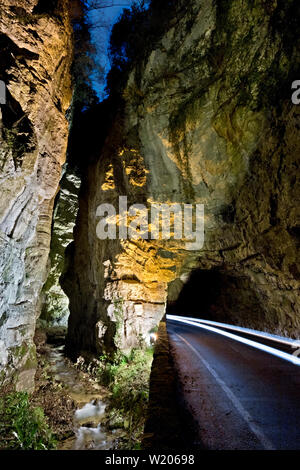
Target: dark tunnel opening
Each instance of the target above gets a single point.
(220, 296)
(198, 295)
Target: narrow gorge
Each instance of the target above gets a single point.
(198, 113)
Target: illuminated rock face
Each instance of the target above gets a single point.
(207, 119)
(55, 303)
(36, 51)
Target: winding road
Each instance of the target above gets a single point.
(240, 397)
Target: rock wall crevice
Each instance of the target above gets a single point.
(36, 55)
(207, 118)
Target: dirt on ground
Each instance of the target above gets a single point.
(57, 404)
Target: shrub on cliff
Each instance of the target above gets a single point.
(134, 36)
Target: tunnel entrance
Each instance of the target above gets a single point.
(198, 295)
(217, 295)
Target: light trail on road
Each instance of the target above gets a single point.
(240, 395)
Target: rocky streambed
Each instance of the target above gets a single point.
(74, 403)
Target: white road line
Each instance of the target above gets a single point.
(249, 342)
(240, 329)
(266, 443)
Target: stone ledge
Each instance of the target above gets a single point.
(169, 426)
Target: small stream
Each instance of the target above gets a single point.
(89, 432)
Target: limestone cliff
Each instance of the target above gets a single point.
(55, 303)
(35, 58)
(207, 118)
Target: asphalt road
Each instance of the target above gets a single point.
(241, 397)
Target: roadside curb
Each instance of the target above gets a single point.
(167, 426)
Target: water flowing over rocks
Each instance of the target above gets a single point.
(88, 430)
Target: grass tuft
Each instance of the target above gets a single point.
(23, 426)
(127, 378)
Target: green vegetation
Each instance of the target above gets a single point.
(19, 142)
(22, 426)
(128, 380)
(85, 67)
(118, 311)
(135, 35)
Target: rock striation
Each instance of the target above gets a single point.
(206, 118)
(35, 58)
(55, 303)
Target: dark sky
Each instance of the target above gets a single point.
(102, 21)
